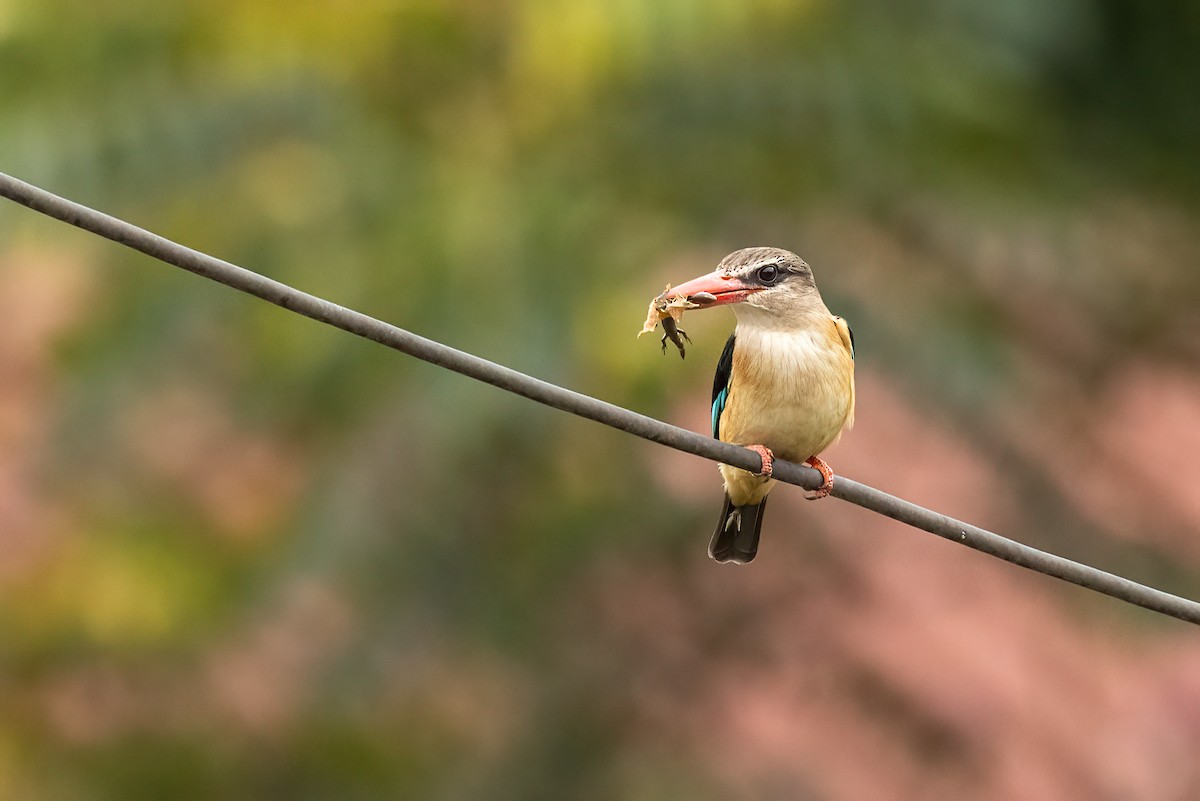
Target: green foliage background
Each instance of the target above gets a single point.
(251, 557)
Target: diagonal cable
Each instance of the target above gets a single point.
(585, 406)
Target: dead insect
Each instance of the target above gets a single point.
(669, 312)
(673, 332)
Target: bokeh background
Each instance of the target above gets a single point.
(243, 555)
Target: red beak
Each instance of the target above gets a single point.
(715, 289)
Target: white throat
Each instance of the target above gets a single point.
(807, 315)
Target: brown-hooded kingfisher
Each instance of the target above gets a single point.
(784, 384)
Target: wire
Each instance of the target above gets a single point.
(585, 406)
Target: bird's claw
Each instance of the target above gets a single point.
(768, 459)
(826, 474)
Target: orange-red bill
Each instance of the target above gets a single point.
(714, 289)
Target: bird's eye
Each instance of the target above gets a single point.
(768, 274)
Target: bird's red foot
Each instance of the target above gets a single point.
(827, 474)
(768, 459)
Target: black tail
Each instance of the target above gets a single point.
(736, 537)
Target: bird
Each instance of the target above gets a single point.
(784, 385)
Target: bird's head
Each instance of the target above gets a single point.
(766, 285)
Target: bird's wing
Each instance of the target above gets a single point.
(721, 385)
(845, 333)
(843, 329)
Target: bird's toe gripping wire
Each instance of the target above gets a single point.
(826, 474)
(768, 459)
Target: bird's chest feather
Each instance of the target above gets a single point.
(792, 391)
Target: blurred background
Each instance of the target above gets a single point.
(243, 555)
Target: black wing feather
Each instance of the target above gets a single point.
(720, 393)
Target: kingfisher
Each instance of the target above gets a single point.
(784, 384)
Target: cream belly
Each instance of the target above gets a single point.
(792, 391)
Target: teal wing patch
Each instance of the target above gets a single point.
(718, 406)
(720, 394)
